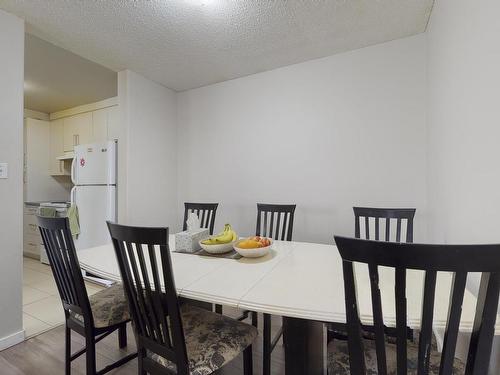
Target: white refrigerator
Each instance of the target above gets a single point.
(93, 174)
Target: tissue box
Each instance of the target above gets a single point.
(188, 240)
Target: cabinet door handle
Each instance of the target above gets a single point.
(74, 140)
(78, 139)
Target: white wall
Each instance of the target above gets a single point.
(11, 189)
(464, 124)
(39, 184)
(147, 190)
(464, 118)
(325, 134)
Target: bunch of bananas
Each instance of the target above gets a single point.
(226, 236)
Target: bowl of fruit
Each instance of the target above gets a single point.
(253, 247)
(220, 243)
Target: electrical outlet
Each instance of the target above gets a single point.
(4, 170)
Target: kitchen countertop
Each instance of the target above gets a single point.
(37, 203)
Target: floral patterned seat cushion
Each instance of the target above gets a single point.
(109, 307)
(338, 359)
(212, 340)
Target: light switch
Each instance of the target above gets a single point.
(4, 170)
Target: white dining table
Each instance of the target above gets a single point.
(303, 282)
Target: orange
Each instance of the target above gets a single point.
(249, 244)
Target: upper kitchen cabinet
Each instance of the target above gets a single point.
(77, 130)
(43, 142)
(105, 124)
(100, 125)
(57, 167)
(113, 123)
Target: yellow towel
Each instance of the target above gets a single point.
(47, 211)
(74, 221)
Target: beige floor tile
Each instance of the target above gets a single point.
(33, 326)
(32, 277)
(49, 310)
(31, 295)
(28, 260)
(37, 266)
(93, 288)
(48, 286)
(92, 291)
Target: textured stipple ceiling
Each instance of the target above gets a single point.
(190, 43)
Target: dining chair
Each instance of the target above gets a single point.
(384, 215)
(172, 338)
(380, 216)
(93, 317)
(274, 221)
(358, 356)
(205, 212)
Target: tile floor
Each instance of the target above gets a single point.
(42, 308)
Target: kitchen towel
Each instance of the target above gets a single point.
(74, 221)
(47, 211)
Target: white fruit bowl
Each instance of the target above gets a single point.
(253, 253)
(218, 248)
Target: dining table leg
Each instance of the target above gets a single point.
(305, 346)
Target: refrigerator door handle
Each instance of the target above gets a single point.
(73, 170)
(72, 195)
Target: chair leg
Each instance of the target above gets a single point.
(141, 364)
(122, 336)
(266, 360)
(248, 361)
(255, 319)
(67, 361)
(218, 309)
(90, 355)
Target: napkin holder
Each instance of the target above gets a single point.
(188, 241)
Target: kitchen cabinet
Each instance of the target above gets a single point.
(113, 123)
(69, 131)
(100, 125)
(32, 241)
(38, 164)
(57, 167)
(77, 130)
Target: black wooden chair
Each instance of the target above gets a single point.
(274, 221)
(357, 356)
(205, 211)
(385, 215)
(380, 216)
(172, 338)
(93, 317)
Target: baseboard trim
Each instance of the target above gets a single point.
(11, 340)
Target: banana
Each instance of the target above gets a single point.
(226, 236)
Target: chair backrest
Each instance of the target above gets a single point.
(143, 257)
(458, 259)
(270, 222)
(61, 252)
(386, 214)
(205, 211)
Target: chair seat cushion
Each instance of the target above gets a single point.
(212, 340)
(338, 359)
(109, 307)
